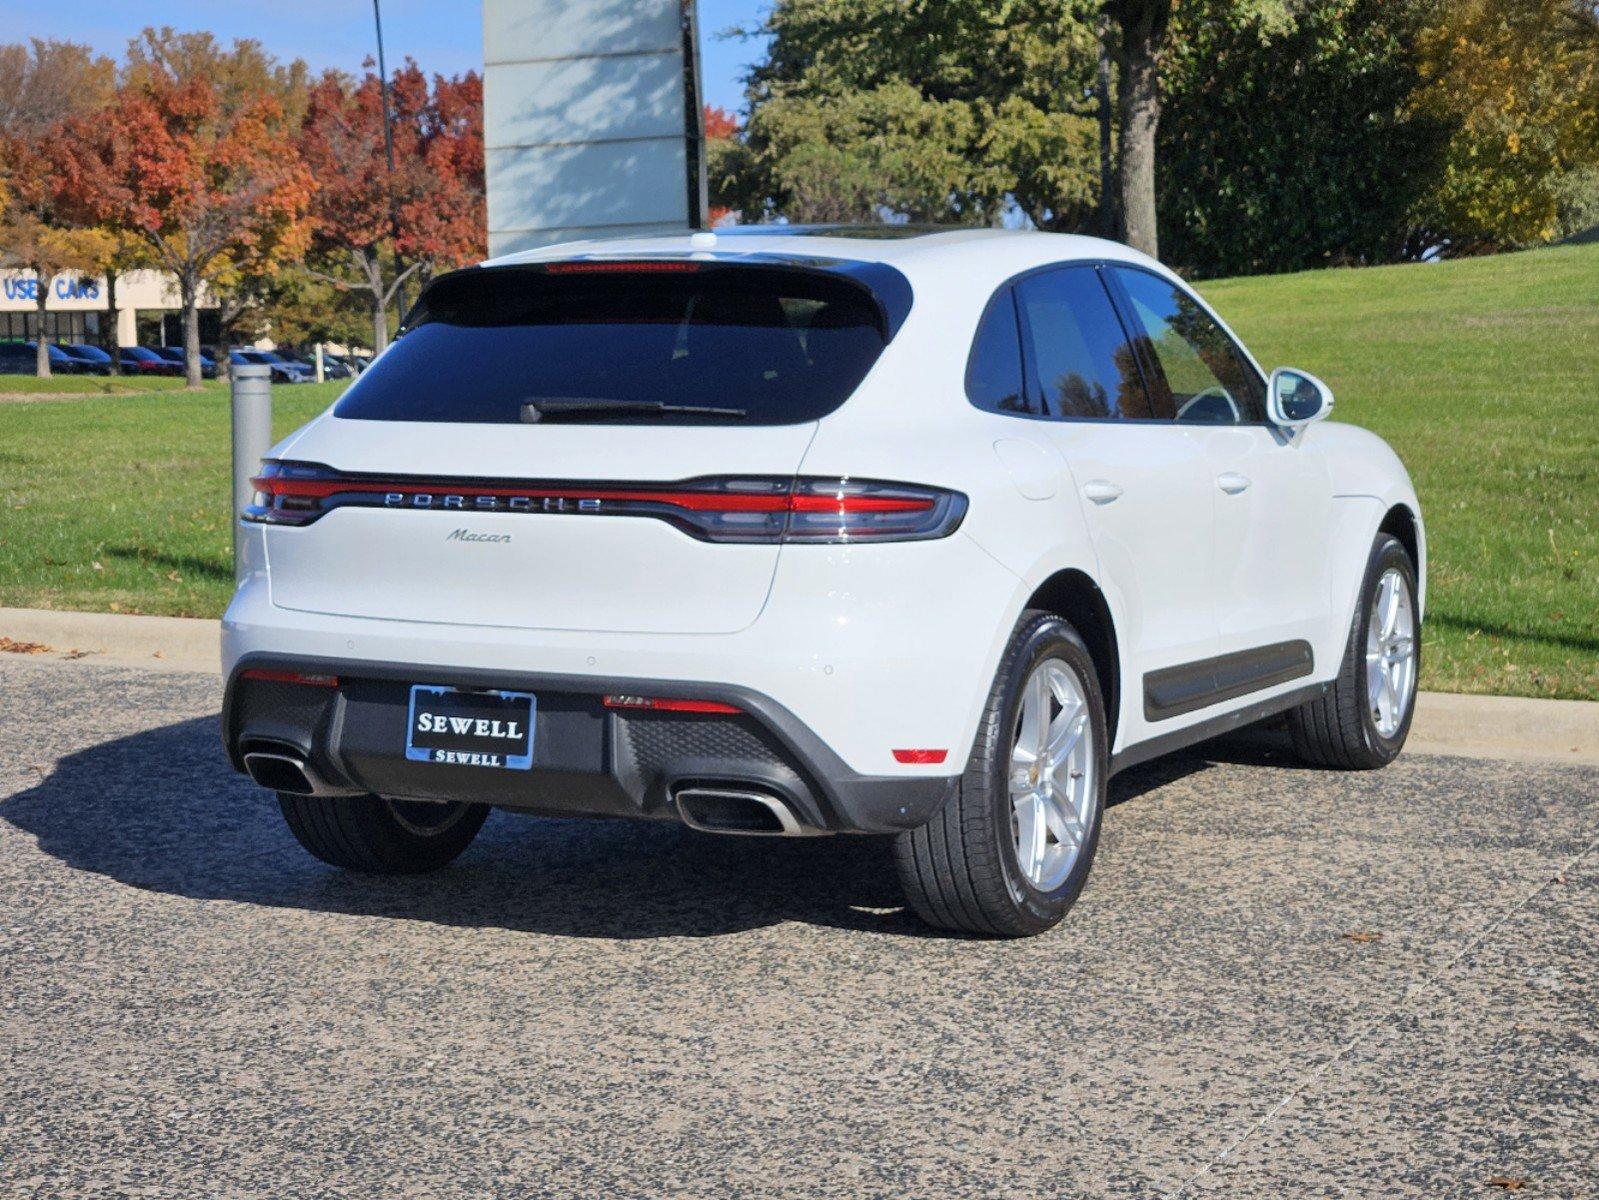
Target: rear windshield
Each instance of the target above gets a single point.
(668, 343)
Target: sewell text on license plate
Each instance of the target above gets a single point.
(471, 729)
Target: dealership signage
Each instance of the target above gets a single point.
(66, 287)
(591, 117)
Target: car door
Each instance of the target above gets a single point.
(1272, 493)
(1145, 485)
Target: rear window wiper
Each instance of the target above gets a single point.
(546, 408)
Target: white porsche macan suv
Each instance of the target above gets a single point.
(797, 531)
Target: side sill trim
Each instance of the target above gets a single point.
(1173, 691)
(1178, 739)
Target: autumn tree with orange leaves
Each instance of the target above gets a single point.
(204, 173)
(373, 228)
(42, 87)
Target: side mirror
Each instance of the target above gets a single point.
(1296, 398)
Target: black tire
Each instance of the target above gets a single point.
(960, 871)
(374, 836)
(1338, 729)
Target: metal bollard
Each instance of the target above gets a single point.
(252, 438)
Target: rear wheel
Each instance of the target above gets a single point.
(382, 837)
(1363, 720)
(1010, 851)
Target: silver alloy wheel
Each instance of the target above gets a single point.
(1391, 653)
(1052, 784)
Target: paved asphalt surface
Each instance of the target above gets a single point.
(1280, 982)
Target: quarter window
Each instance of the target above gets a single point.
(1080, 361)
(994, 373)
(1201, 377)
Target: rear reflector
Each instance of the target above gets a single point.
(269, 676)
(920, 757)
(717, 509)
(658, 704)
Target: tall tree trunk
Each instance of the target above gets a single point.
(191, 330)
(41, 344)
(108, 335)
(380, 324)
(1143, 31)
(1105, 219)
(370, 261)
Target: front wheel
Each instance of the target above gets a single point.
(375, 836)
(1363, 720)
(1010, 850)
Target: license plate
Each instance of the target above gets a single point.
(471, 729)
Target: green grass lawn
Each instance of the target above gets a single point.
(1483, 374)
(90, 385)
(120, 503)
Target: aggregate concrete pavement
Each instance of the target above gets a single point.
(1280, 982)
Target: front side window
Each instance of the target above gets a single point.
(1201, 377)
(674, 343)
(1080, 360)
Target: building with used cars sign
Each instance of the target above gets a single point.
(77, 306)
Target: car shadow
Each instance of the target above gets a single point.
(162, 811)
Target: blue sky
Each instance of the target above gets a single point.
(442, 35)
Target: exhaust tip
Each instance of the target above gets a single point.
(279, 773)
(739, 811)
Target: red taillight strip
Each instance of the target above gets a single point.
(694, 501)
(271, 676)
(657, 704)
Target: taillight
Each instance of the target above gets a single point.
(721, 509)
(267, 675)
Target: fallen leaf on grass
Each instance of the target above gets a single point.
(12, 646)
(1509, 1182)
(1360, 936)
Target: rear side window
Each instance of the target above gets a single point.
(994, 372)
(1079, 358)
(621, 343)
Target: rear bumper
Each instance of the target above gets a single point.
(588, 760)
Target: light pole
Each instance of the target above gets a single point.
(388, 147)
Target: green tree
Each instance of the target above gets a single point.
(946, 110)
(1140, 34)
(1291, 147)
(1519, 82)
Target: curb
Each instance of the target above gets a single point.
(1498, 727)
(152, 643)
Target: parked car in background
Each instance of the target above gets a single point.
(137, 360)
(338, 366)
(174, 354)
(21, 358)
(94, 360)
(283, 371)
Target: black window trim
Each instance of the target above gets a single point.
(1121, 306)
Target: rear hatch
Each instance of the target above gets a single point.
(597, 445)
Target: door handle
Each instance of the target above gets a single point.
(1101, 491)
(1232, 483)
